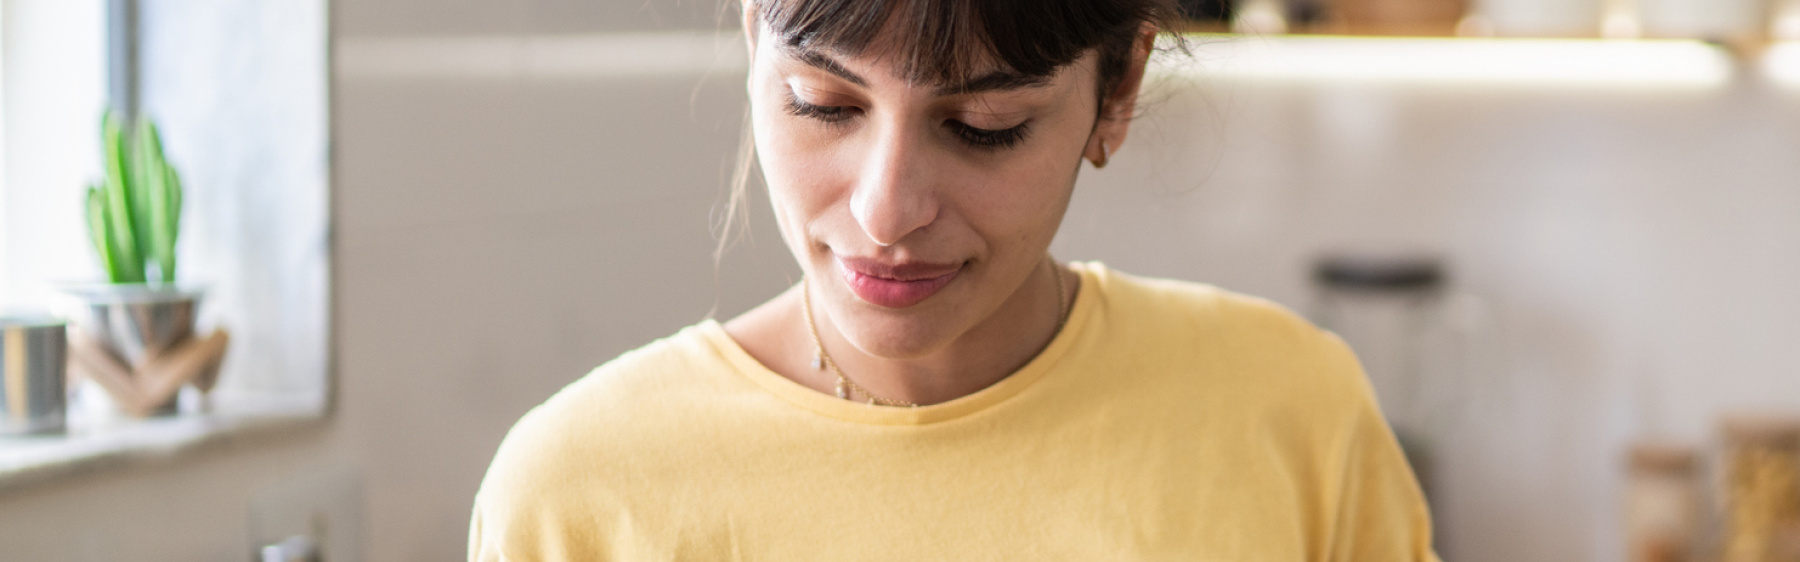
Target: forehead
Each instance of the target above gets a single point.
(922, 42)
(949, 41)
(985, 77)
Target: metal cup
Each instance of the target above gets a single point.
(33, 357)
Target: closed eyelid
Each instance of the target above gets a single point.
(799, 89)
(985, 110)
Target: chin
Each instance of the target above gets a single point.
(887, 335)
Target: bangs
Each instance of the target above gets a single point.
(940, 42)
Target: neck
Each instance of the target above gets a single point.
(990, 351)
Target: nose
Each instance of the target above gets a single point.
(895, 194)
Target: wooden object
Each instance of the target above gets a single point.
(140, 389)
(1397, 17)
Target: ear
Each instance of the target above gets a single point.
(1115, 111)
(751, 24)
(747, 8)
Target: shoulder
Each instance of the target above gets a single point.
(631, 386)
(1292, 395)
(1214, 340)
(589, 433)
(1213, 320)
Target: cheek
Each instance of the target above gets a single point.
(796, 168)
(1021, 200)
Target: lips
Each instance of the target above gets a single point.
(895, 285)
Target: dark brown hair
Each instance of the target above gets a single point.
(942, 42)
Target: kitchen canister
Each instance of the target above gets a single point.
(1664, 505)
(1762, 489)
(1415, 336)
(1540, 18)
(33, 360)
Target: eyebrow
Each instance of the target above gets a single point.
(992, 81)
(820, 61)
(997, 80)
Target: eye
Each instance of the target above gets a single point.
(830, 114)
(989, 138)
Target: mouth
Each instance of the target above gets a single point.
(895, 285)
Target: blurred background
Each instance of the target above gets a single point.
(1562, 234)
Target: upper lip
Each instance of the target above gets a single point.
(899, 271)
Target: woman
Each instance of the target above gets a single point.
(938, 388)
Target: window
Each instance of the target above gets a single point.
(52, 72)
(250, 141)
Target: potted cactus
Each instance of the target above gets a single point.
(134, 214)
(134, 334)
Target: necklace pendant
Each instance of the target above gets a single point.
(818, 363)
(843, 388)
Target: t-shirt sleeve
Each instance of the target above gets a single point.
(1381, 512)
(480, 549)
(516, 513)
(529, 507)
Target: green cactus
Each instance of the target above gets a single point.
(134, 214)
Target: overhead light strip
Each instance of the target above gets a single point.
(1521, 62)
(1781, 63)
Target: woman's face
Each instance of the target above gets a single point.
(916, 210)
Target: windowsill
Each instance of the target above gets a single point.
(27, 460)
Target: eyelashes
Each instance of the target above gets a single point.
(831, 115)
(989, 138)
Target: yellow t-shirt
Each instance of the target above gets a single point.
(1167, 421)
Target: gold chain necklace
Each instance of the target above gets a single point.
(847, 389)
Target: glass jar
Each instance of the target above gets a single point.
(1761, 489)
(1662, 503)
(1717, 20)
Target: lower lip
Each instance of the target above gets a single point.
(893, 293)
